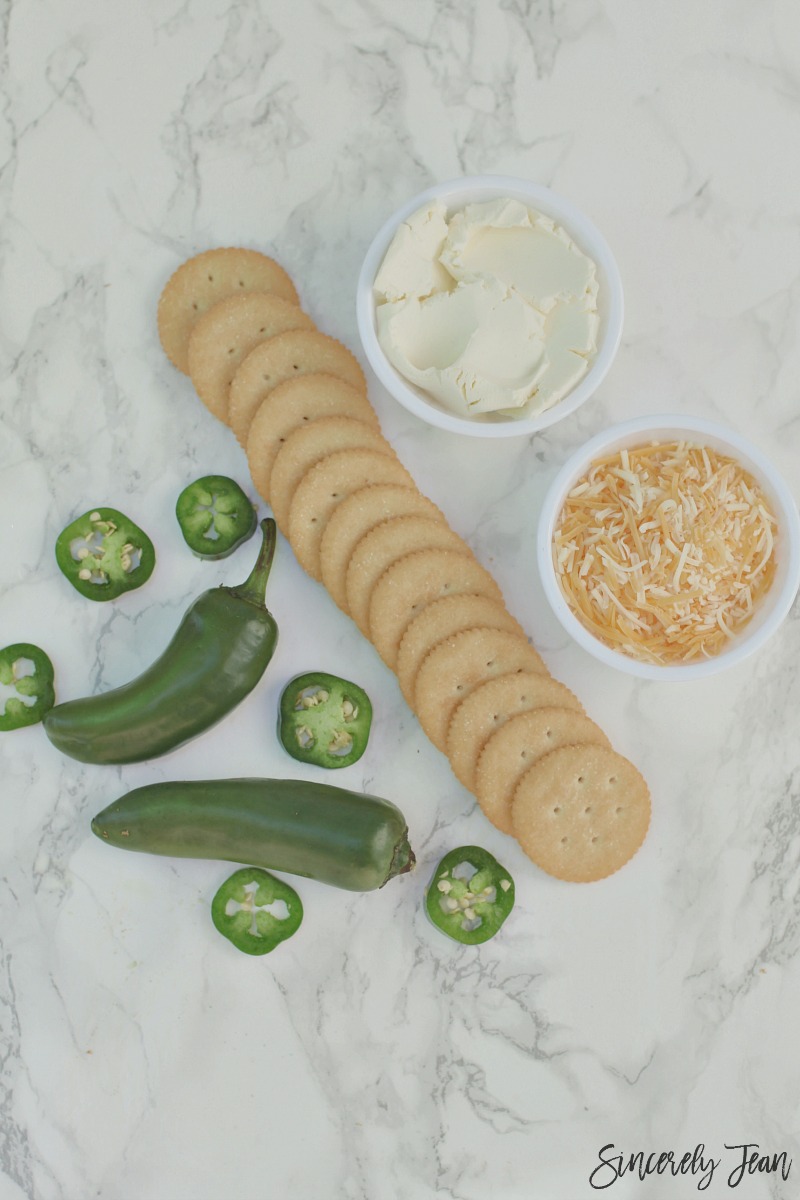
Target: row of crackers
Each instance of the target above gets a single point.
(296, 399)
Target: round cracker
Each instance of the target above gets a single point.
(382, 546)
(206, 279)
(581, 812)
(414, 582)
(489, 706)
(308, 446)
(354, 518)
(294, 353)
(521, 741)
(225, 335)
(441, 620)
(292, 405)
(325, 486)
(460, 663)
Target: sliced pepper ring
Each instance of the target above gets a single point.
(26, 685)
(324, 720)
(470, 895)
(255, 911)
(103, 554)
(215, 516)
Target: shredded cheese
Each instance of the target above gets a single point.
(663, 551)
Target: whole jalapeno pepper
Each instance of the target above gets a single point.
(103, 554)
(470, 895)
(215, 516)
(26, 676)
(217, 656)
(347, 839)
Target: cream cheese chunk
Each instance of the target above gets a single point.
(412, 269)
(493, 310)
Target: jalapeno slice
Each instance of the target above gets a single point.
(26, 685)
(215, 516)
(255, 911)
(324, 720)
(470, 895)
(103, 554)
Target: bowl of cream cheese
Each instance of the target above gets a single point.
(490, 306)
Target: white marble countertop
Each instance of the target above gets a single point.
(141, 1057)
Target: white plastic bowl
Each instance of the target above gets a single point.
(772, 608)
(477, 189)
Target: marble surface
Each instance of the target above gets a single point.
(141, 1057)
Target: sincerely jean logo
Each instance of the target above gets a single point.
(746, 1158)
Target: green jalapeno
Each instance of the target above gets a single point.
(215, 516)
(217, 656)
(348, 839)
(103, 554)
(470, 895)
(324, 720)
(255, 911)
(26, 685)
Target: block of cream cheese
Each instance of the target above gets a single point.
(490, 310)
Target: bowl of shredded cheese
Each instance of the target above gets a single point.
(669, 547)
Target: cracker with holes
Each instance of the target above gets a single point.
(325, 486)
(517, 745)
(225, 335)
(460, 663)
(353, 520)
(308, 446)
(304, 351)
(414, 582)
(292, 405)
(206, 279)
(441, 620)
(581, 812)
(382, 546)
(489, 706)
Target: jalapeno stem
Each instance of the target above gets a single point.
(403, 859)
(254, 588)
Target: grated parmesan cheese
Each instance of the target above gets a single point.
(663, 551)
